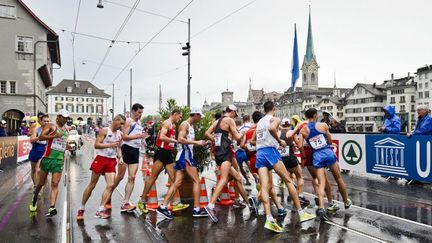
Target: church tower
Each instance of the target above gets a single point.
(310, 64)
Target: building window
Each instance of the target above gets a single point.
(69, 89)
(7, 11)
(12, 87)
(80, 109)
(426, 85)
(412, 108)
(420, 94)
(412, 98)
(402, 108)
(420, 86)
(90, 99)
(313, 78)
(402, 99)
(304, 78)
(69, 99)
(392, 100)
(3, 87)
(89, 90)
(24, 44)
(77, 84)
(99, 109)
(426, 94)
(58, 107)
(70, 107)
(90, 109)
(340, 114)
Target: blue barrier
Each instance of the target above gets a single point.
(399, 156)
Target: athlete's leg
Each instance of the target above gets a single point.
(132, 170)
(264, 192)
(313, 173)
(121, 171)
(55, 180)
(34, 172)
(238, 183)
(225, 169)
(328, 189)
(90, 187)
(174, 186)
(109, 188)
(156, 170)
(298, 174)
(193, 174)
(341, 185)
(272, 191)
(42, 176)
(280, 169)
(321, 186)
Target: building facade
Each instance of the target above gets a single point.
(28, 50)
(364, 108)
(423, 78)
(81, 98)
(335, 106)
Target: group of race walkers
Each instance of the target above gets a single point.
(266, 145)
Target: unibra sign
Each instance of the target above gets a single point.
(397, 155)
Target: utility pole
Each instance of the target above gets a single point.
(130, 90)
(187, 53)
(113, 103)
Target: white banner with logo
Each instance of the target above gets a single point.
(351, 151)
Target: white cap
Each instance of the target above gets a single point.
(231, 108)
(3, 122)
(63, 113)
(196, 110)
(286, 120)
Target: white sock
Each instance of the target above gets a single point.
(270, 217)
(211, 205)
(101, 208)
(300, 211)
(82, 207)
(162, 206)
(300, 194)
(197, 209)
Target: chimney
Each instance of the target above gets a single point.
(392, 77)
(408, 74)
(374, 84)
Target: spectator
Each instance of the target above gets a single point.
(3, 128)
(326, 118)
(336, 127)
(23, 130)
(392, 123)
(424, 122)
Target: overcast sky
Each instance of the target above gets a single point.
(360, 41)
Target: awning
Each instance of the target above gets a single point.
(45, 75)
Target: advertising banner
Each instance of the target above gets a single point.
(24, 147)
(8, 151)
(351, 151)
(399, 156)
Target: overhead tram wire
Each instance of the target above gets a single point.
(115, 37)
(145, 11)
(73, 39)
(151, 40)
(223, 18)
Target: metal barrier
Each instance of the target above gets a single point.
(13, 150)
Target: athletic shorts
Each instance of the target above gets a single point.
(252, 163)
(324, 158)
(223, 155)
(52, 165)
(130, 154)
(184, 158)
(165, 156)
(241, 156)
(267, 157)
(36, 152)
(290, 162)
(102, 165)
(309, 157)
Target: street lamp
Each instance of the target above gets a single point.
(34, 70)
(100, 5)
(187, 53)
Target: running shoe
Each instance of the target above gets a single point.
(348, 204)
(80, 215)
(102, 214)
(142, 207)
(200, 213)
(164, 212)
(282, 212)
(239, 204)
(179, 206)
(108, 204)
(273, 226)
(32, 207)
(51, 212)
(304, 202)
(127, 207)
(306, 216)
(212, 214)
(332, 208)
(322, 214)
(253, 205)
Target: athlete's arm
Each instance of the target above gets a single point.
(34, 137)
(126, 136)
(253, 140)
(209, 133)
(328, 135)
(300, 144)
(273, 129)
(235, 134)
(243, 143)
(99, 140)
(47, 130)
(164, 130)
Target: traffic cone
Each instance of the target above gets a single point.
(203, 199)
(225, 199)
(152, 199)
(144, 165)
(231, 190)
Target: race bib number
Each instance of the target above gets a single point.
(260, 134)
(284, 152)
(172, 144)
(218, 139)
(318, 141)
(59, 144)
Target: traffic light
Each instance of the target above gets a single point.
(186, 49)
